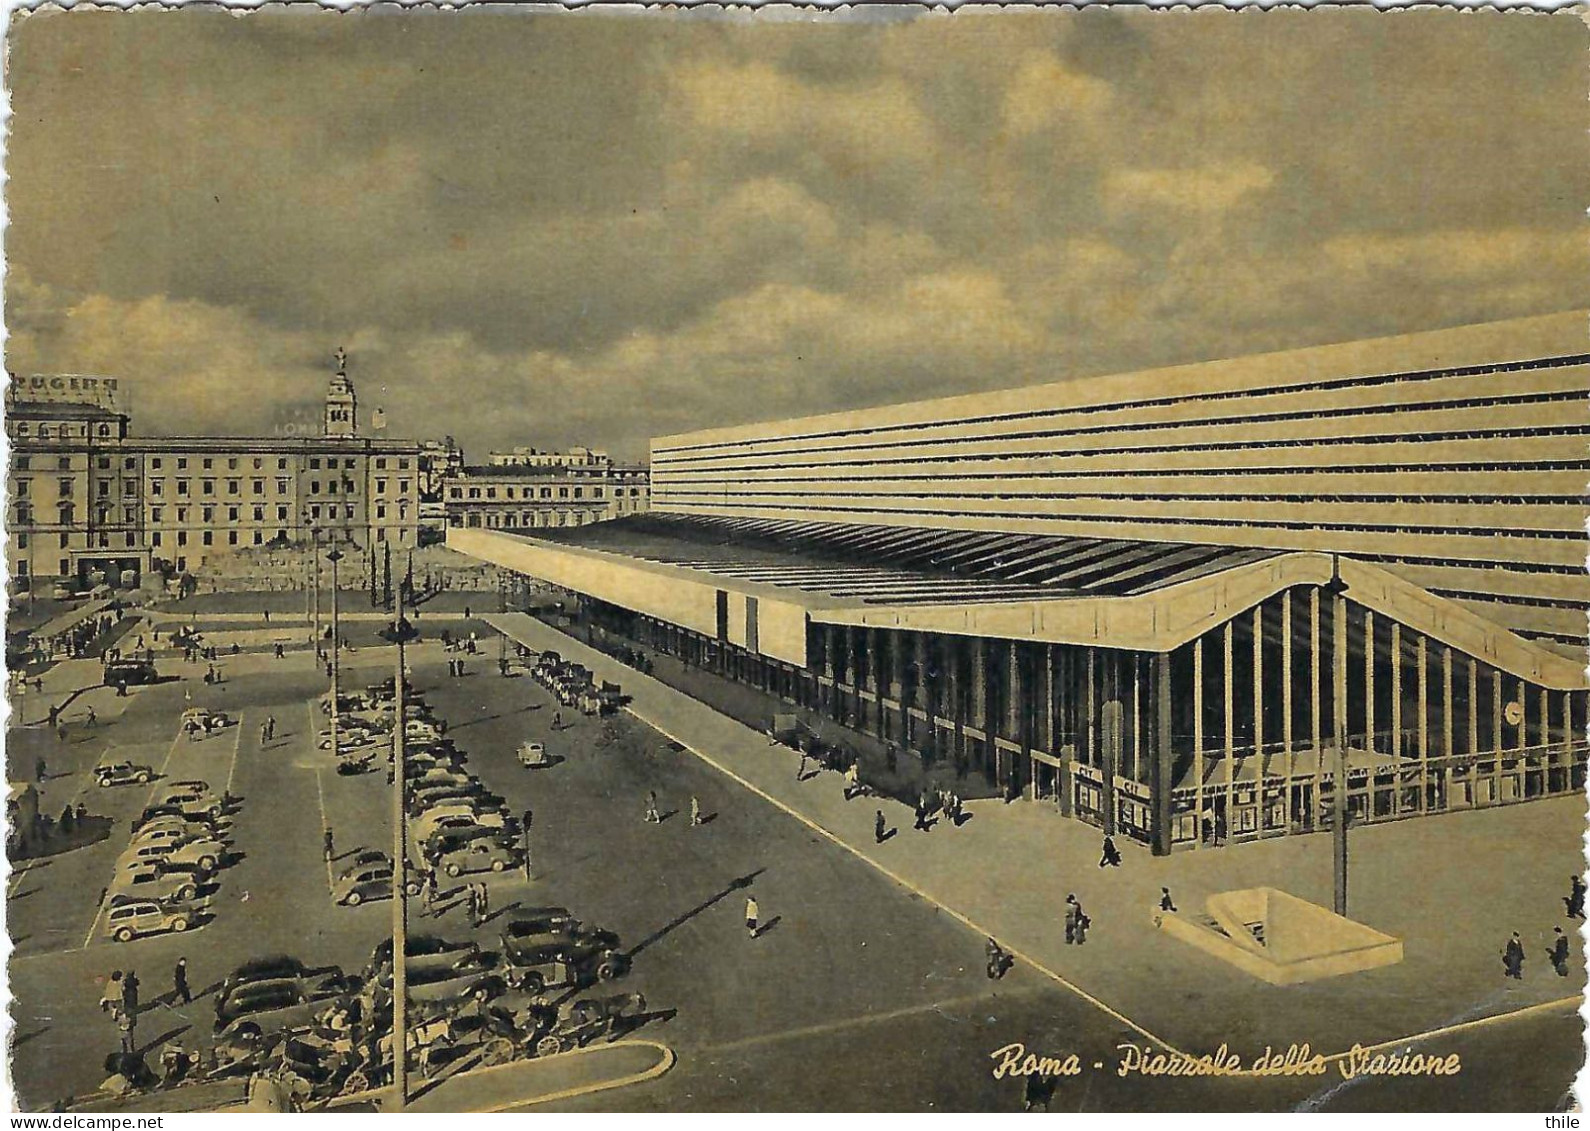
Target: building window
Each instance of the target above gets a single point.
(155, 463)
(22, 463)
(231, 465)
(182, 486)
(104, 488)
(65, 542)
(596, 492)
(231, 514)
(491, 492)
(182, 537)
(348, 463)
(259, 514)
(129, 514)
(380, 535)
(208, 487)
(457, 492)
(281, 465)
(314, 486)
(209, 463)
(403, 465)
(380, 511)
(104, 430)
(22, 430)
(259, 486)
(281, 514)
(182, 514)
(380, 486)
(234, 486)
(579, 492)
(403, 486)
(207, 514)
(129, 486)
(347, 511)
(474, 493)
(281, 486)
(331, 486)
(22, 487)
(563, 492)
(314, 511)
(155, 513)
(64, 463)
(24, 516)
(347, 487)
(131, 540)
(128, 464)
(380, 464)
(208, 537)
(182, 462)
(258, 538)
(104, 540)
(154, 539)
(258, 463)
(66, 566)
(314, 464)
(22, 541)
(157, 487)
(104, 464)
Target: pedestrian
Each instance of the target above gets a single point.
(1165, 903)
(55, 715)
(999, 959)
(652, 815)
(129, 992)
(280, 652)
(179, 983)
(110, 1000)
(264, 734)
(267, 616)
(891, 757)
(1513, 958)
(557, 720)
(1077, 922)
(66, 820)
(466, 615)
(695, 812)
(920, 823)
(529, 819)
(128, 1024)
(121, 689)
(270, 727)
(1559, 952)
(1111, 856)
(1575, 897)
(852, 781)
(800, 771)
(880, 828)
(38, 769)
(430, 892)
(60, 732)
(330, 844)
(752, 911)
(81, 813)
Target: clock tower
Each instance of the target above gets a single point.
(342, 405)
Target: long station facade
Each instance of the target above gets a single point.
(1185, 605)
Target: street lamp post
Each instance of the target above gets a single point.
(314, 558)
(1339, 814)
(336, 641)
(400, 633)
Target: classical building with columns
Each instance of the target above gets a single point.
(1186, 605)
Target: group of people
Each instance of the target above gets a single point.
(945, 802)
(1513, 954)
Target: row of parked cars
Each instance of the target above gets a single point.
(574, 685)
(178, 844)
(456, 826)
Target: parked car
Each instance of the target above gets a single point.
(203, 855)
(130, 672)
(124, 773)
(365, 882)
(170, 817)
(422, 951)
(196, 719)
(129, 917)
(150, 880)
(281, 1003)
(482, 975)
(190, 803)
(268, 968)
(533, 754)
(544, 963)
(483, 854)
(193, 785)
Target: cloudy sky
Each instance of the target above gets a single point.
(595, 228)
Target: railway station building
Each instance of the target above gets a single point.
(1181, 605)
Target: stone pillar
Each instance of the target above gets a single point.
(1161, 772)
(1015, 691)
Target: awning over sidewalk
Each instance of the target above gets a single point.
(756, 584)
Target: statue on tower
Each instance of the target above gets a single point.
(342, 360)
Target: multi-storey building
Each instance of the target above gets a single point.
(89, 497)
(1206, 603)
(536, 496)
(535, 457)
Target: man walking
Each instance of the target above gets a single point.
(1513, 958)
(129, 993)
(1165, 903)
(1111, 856)
(430, 893)
(179, 983)
(264, 734)
(1076, 922)
(652, 815)
(110, 1000)
(880, 828)
(55, 715)
(270, 727)
(330, 844)
(38, 769)
(128, 1024)
(483, 903)
(695, 812)
(752, 912)
(1575, 897)
(1559, 952)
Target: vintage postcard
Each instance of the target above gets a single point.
(895, 560)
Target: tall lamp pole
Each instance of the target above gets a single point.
(1336, 588)
(400, 633)
(336, 641)
(314, 557)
